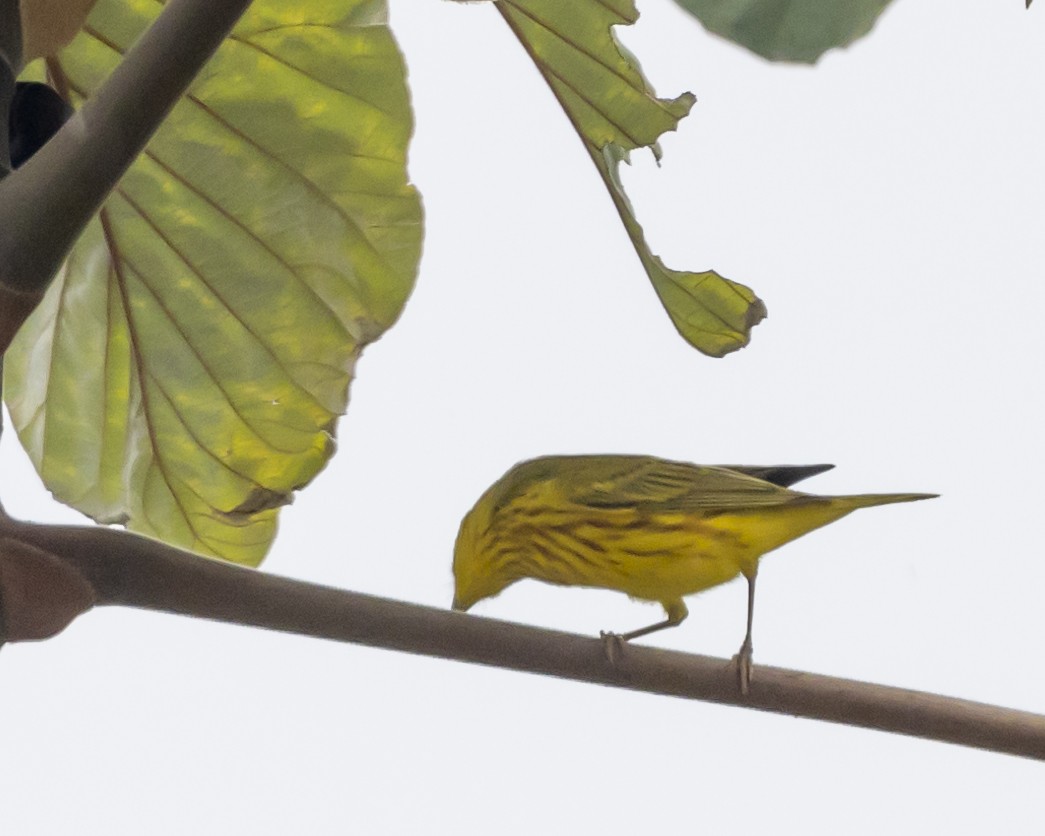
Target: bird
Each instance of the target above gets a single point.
(655, 529)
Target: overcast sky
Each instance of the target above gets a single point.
(887, 206)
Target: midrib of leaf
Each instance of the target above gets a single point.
(149, 382)
(142, 373)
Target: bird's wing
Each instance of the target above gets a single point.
(784, 475)
(656, 484)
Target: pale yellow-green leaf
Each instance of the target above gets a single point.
(613, 108)
(186, 370)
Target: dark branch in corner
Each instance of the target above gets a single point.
(46, 203)
(10, 60)
(116, 568)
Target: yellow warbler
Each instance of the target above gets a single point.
(658, 530)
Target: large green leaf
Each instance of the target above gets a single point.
(186, 370)
(788, 30)
(613, 108)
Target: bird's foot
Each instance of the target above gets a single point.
(743, 663)
(612, 645)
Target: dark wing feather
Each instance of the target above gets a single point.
(784, 475)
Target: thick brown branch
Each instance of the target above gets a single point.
(48, 201)
(130, 571)
(10, 61)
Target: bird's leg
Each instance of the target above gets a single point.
(613, 642)
(743, 657)
(676, 612)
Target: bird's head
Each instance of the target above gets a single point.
(489, 549)
(480, 562)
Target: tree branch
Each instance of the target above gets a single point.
(126, 570)
(10, 61)
(46, 203)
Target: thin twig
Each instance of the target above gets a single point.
(127, 570)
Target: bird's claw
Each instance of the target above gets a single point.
(613, 645)
(743, 663)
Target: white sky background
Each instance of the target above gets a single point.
(887, 205)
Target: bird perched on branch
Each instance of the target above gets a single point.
(657, 530)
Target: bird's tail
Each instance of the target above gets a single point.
(869, 500)
(808, 512)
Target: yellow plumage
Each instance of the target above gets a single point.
(657, 530)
